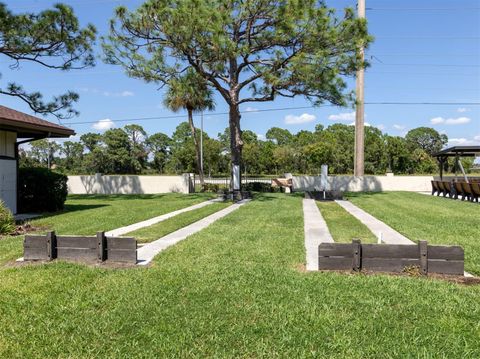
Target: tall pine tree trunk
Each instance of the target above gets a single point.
(196, 145)
(236, 143)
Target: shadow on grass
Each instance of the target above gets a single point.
(267, 196)
(71, 208)
(364, 194)
(123, 197)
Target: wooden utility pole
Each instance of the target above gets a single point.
(360, 108)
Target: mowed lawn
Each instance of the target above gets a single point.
(87, 214)
(342, 225)
(435, 219)
(156, 231)
(235, 289)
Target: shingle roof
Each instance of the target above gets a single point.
(30, 125)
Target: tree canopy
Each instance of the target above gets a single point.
(301, 153)
(249, 51)
(52, 38)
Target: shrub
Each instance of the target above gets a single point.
(7, 222)
(41, 190)
(210, 187)
(260, 187)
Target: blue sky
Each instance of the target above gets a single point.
(425, 51)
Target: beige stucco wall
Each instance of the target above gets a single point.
(365, 183)
(98, 184)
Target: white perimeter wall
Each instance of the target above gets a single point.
(8, 183)
(98, 184)
(365, 183)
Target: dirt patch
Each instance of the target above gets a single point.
(91, 264)
(25, 228)
(415, 274)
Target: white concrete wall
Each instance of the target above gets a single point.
(365, 183)
(129, 184)
(8, 183)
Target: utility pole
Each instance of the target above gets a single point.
(201, 143)
(360, 107)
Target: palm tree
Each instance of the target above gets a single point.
(190, 92)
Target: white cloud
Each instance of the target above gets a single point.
(399, 127)
(103, 125)
(344, 116)
(295, 120)
(381, 127)
(462, 109)
(251, 109)
(260, 136)
(464, 141)
(118, 94)
(450, 121)
(365, 123)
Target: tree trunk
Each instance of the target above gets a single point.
(236, 142)
(197, 147)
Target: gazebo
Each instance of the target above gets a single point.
(15, 125)
(456, 152)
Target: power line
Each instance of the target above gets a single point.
(436, 65)
(137, 119)
(428, 37)
(422, 8)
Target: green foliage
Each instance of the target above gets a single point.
(260, 187)
(248, 51)
(53, 39)
(190, 92)
(41, 190)
(427, 139)
(7, 222)
(131, 150)
(210, 188)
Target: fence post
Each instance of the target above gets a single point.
(51, 245)
(101, 246)
(357, 255)
(423, 251)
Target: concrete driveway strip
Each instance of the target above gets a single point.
(149, 222)
(146, 253)
(389, 235)
(316, 232)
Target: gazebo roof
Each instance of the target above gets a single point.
(462, 151)
(28, 126)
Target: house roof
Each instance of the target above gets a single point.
(462, 151)
(28, 126)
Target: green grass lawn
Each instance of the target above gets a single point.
(235, 289)
(437, 220)
(342, 225)
(170, 225)
(87, 214)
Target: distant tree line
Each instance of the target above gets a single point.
(130, 150)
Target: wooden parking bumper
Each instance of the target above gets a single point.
(391, 257)
(80, 248)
